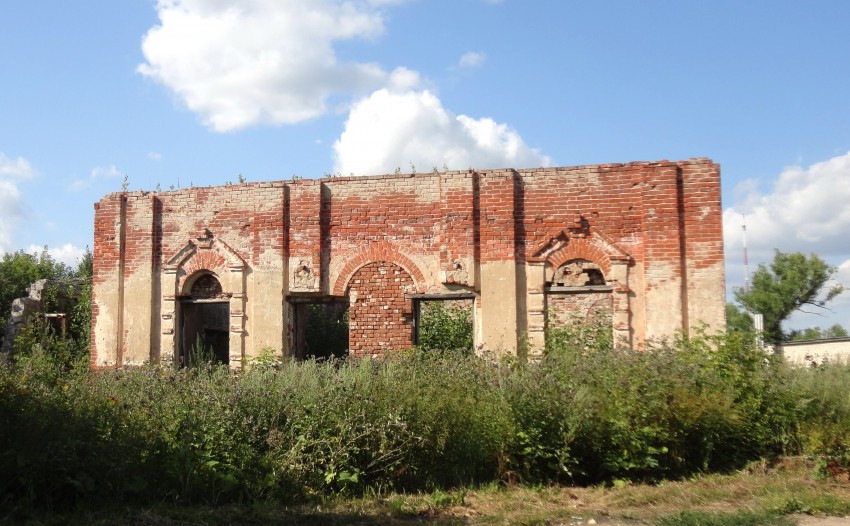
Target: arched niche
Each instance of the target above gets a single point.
(578, 261)
(579, 293)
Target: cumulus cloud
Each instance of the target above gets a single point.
(260, 61)
(68, 254)
(806, 210)
(11, 211)
(274, 62)
(471, 59)
(12, 171)
(97, 174)
(18, 168)
(401, 125)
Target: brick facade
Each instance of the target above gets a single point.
(653, 229)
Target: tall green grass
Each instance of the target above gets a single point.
(587, 412)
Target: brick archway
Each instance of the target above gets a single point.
(380, 317)
(578, 292)
(381, 251)
(593, 246)
(580, 249)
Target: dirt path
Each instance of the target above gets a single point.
(806, 520)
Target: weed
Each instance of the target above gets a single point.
(587, 412)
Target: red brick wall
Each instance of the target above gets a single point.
(567, 308)
(379, 316)
(665, 215)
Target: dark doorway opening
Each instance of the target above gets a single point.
(205, 324)
(319, 327)
(205, 335)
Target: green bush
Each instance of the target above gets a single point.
(587, 412)
(446, 326)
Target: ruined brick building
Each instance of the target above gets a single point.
(640, 243)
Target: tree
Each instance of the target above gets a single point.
(793, 282)
(815, 333)
(18, 270)
(737, 319)
(836, 331)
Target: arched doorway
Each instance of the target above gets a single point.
(204, 322)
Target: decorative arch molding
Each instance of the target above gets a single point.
(203, 284)
(584, 243)
(592, 245)
(379, 251)
(206, 254)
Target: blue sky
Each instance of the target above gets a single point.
(196, 92)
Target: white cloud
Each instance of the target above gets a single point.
(10, 213)
(12, 171)
(807, 210)
(68, 254)
(400, 125)
(471, 59)
(97, 174)
(18, 168)
(154, 156)
(260, 61)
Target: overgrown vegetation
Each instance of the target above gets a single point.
(70, 293)
(446, 326)
(587, 413)
(18, 270)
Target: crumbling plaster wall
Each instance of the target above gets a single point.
(654, 229)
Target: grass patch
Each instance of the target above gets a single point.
(761, 495)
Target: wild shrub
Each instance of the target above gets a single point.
(446, 326)
(822, 403)
(700, 403)
(587, 412)
(454, 404)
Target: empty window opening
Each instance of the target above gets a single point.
(444, 324)
(578, 273)
(320, 329)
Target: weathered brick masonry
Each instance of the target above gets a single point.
(639, 242)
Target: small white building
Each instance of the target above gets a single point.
(816, 352)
